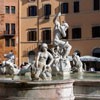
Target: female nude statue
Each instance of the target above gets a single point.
(43, 68)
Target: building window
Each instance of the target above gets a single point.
(32, 36)
(47, 11)
(76, 33)
(7, 9)
(96, 52)
(7, 42)
(96, 31)
(13, 9)
(32, 11)
(78, 52)
(7, 28)
(96, 4)
(47, 36)
(12, 42)
(12, 28)
(76, 6)
(64, 8)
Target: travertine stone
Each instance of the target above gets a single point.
(52, 90)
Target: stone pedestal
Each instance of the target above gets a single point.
(46, 90)
(65, 75)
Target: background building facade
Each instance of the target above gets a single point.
(1, 29)
(8, 27)
(36, 25)
(25, 24)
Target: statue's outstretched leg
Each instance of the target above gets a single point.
(67, 48)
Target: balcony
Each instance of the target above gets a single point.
(7, 35)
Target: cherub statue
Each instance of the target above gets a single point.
(77, 64)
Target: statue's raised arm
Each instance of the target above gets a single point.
(60, 27)
(59, 33)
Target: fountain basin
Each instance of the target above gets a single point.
(87, 89)
(85, 86)
(41, 90)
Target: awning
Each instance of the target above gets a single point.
(86, 58)
(89, 58)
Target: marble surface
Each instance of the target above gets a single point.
(40, 90)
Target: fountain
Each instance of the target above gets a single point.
(41, 81)
(51, 76)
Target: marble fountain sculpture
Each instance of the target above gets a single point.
(41, 85)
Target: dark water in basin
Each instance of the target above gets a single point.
(84, 76)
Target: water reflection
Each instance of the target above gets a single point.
(82, 76)
(86, 75)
